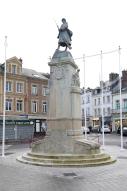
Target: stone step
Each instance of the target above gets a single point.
(61, 156)
(100, 160)
(69, 161)
(66, 160)
(78, 164)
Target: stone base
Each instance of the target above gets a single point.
(66, 160)
(64, 143)
(60, 137)
(60, 149)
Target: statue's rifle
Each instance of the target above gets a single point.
(56, 25)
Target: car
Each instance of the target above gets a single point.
(124, 130)
(106, 129)
(90, 128)
(85, 130)
(95, 129)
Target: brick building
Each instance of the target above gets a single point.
(26, 97)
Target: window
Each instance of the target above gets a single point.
(108, 99)
(8, 104)
(108, 111)
(117, 104)
(44, 89)
(88, 111)
(125, 103)
(34, 89)
(19, 87)
(88, 99)
(13, 69)
(98, 101)
(95, 112)
(99, 111)
(83, 114)
(19, 105)
(44, 106)
(34, 106)
(103, 99)
(8, 86)
(104, 111)
(94, 101)
(83, 102)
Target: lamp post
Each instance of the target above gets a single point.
(120, 86)
(4, 102)
(102, 106)
(85, 95)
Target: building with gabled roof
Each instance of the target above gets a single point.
(26, 96)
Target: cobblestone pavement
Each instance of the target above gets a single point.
(15, 176)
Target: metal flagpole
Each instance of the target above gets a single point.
(4, 102)
(85, 96)
(120, 86)
(102, 106)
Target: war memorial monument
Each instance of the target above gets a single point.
(64, 145)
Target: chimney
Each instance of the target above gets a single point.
(113, 76)
(20, 59)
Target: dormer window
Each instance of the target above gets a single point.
(14, 69)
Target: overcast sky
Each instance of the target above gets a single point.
(96, 24)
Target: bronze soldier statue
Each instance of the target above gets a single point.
(64, 35)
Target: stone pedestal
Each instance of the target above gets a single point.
(64, 117)
(64, 98)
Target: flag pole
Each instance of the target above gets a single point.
(85, 94)
(102, 106)
(120, 97)
(4, 102)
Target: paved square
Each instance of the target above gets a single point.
(15, 176)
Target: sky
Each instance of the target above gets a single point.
(97, 25)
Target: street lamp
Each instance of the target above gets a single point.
(4, 102)
(85, 95)
(102, 106)
(120, 86)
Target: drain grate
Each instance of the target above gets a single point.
(70, 174)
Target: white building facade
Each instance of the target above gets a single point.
(98, 107)
(93, 106)
(86, 106)
(116, 109)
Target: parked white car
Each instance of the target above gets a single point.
(106, 129)
(85, 129)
